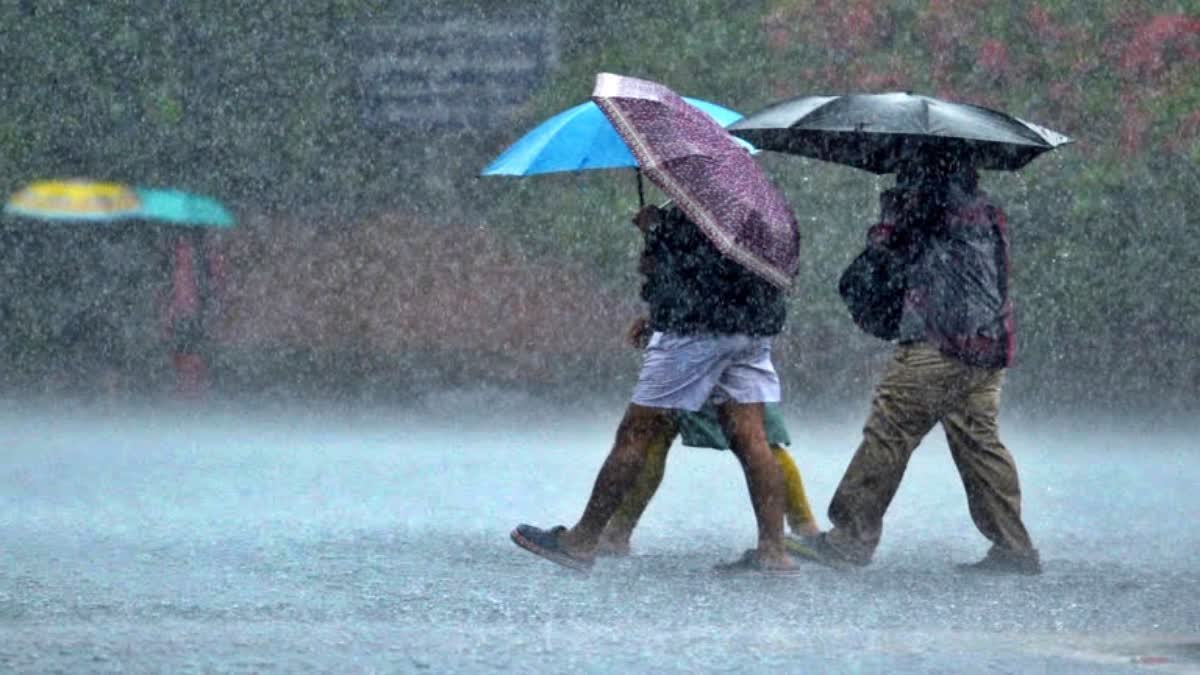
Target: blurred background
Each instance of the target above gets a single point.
(371, 263)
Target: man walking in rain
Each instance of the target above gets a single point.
(955, 341)
(700, 429)
(713, 321)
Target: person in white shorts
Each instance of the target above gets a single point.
(703, 430)
(685, 371)
(713, 321)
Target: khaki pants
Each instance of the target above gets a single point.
(922, 387)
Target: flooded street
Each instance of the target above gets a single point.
(461, 225)
(301, 542)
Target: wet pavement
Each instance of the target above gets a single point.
(292, 542)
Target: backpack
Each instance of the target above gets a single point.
(873, 286)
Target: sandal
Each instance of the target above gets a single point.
(750, 563)
(545, 543)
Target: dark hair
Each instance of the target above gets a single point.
(965, 177)
(936, 179)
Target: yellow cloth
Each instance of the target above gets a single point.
(636, 500)
(797, 509)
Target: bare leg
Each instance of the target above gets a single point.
(798, 512)
(636, 433)
(614, 540)
(743, 425)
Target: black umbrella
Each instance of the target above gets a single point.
(877, 132)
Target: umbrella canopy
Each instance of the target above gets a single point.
(877, 132)
(578, 139)
(104, 202)
(183, 208)
(712, 178)
(75, 200)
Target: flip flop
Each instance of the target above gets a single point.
(545, 543)
(750, 564)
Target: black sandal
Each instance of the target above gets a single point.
(545, 543)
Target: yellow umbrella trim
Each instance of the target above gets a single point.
(76, 197)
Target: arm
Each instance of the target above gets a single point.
(639, 332)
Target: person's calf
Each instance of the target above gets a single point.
(743, 424)
(638, 431)
(614, 539)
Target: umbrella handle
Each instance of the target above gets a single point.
(641, 193)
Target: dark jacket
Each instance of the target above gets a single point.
(957, 281)
(692, 289)
(873, 284)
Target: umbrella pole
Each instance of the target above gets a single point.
(641, 193)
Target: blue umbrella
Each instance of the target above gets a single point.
(582, 138)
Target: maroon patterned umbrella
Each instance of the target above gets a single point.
(709, 175)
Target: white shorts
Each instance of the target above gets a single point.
(685, 371)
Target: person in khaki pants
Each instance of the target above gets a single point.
(955, 342)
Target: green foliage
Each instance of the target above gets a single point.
(1102, 232)
(261, 104)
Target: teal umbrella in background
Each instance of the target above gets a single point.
(182, 208)
(81, 200)
(85, 259)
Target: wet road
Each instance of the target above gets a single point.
(299, 542)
